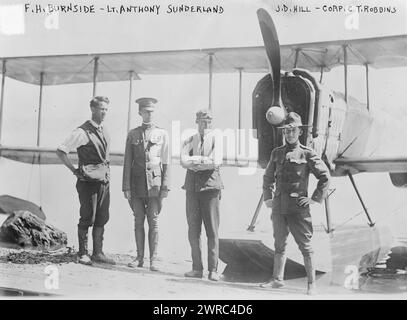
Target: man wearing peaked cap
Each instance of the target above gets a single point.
(146, 178)
(146, 103)
(285, 190)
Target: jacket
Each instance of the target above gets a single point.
(286, 178)
(145, 170)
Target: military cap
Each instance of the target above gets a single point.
(146, 103)
(204, 114)
(292, 120)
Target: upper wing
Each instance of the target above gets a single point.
(65, 69)
(366, 164)
(380, 52)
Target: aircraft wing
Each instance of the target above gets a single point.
(64, 69)
(41, 155)
(379, 52)
(367, 164)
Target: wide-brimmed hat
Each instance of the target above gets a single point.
(292, 120)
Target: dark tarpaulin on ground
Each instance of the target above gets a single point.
(10, 204)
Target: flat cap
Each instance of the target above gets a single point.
(204, 114)
(146, 103)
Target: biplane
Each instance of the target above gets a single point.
(338, 124)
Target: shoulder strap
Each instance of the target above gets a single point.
(88, 126)
(97, 149)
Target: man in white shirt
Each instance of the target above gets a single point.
(201, 155)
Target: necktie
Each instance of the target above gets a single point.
(202, 146)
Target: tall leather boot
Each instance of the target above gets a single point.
(278, 272)
(153, 245)
(83, 256)
(309, 268)
(98, 255)
(140, 238)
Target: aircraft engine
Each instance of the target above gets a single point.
(298, 94)
(262, 99)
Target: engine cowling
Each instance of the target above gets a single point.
(399, 179)
(297, 95)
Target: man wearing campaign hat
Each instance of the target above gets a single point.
(201, 155)
(285, 190)
(146, 178)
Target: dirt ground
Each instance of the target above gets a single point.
(58, 276)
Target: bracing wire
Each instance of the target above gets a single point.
(195, 64)
(347, 221)
(79, 71)
(391, 213)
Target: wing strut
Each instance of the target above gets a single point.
(297, 53)
(240, 111)
(321, 74)
(329, 228)
(367, 87)
(256, 214)
(131, 76)
(328, 215)
(40, 109)
(95, 75)
(3, 80)
(345, 68)
(371, 223)
(210, 78)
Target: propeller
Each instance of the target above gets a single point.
(276, 113)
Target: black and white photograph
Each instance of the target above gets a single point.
(203, 150)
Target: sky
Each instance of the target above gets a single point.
(236, 26)
(179, 96)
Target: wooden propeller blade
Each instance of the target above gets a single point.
(272, 45)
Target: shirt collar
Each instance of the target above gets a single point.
(97, 126)
(147, 125)
(293, 146)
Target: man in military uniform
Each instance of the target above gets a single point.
(146, 178)
(285, 190)
(201, 156)
(92, 144)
